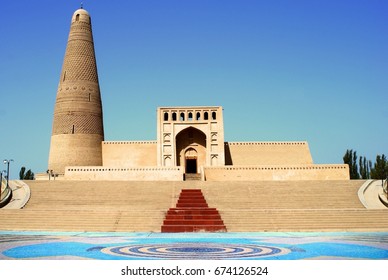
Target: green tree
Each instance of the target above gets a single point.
(350, 158)
(365, 167)
(380, 168)
(23, 175)
(22, 172)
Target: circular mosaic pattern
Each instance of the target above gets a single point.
(195, 251)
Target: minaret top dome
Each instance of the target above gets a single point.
(81, 15)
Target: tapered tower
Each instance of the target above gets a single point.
(77, 132)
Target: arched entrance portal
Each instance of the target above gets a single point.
(191, 149)
(191, 156)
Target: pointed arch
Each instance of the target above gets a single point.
(191, 149)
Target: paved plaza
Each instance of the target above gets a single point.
(193, 246)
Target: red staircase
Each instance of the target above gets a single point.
(192, 214)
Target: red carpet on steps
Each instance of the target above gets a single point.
(192, 214)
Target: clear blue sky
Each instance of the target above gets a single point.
(283, 70)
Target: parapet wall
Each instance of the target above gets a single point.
(129, 153)
(267, 153)
(124, 174)
(239, 173)
(278, 173)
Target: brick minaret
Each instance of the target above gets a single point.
(77, 130)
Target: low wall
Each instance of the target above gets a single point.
(277, 172)
(124, 174)
(46, 177)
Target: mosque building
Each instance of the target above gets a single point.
(190, 142)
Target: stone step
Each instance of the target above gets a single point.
(191, 205)
(193, 228)
(192, 211)
(189, 200)
(193, 222)
(192, 176)
(193, 217)
(191, 195)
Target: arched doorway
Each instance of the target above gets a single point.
(191, 156)
(191, 149)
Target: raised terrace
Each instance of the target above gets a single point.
(113, 206)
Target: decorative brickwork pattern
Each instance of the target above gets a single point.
(78, 108)
(77, 123)
(79, 63)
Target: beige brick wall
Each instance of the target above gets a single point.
(267, 153)
(277, 172)
(124, 174)
(74, 149)
(129, 153)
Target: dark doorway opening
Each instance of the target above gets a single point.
(191, 166)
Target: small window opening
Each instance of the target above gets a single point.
(198, 116)
(206, 116)
(64, 76)
(77, 17)
(73, 129)
(214, 115)
(174, 116)
(182, 117)
(165, 116)
(190, 117)
(90, 97)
